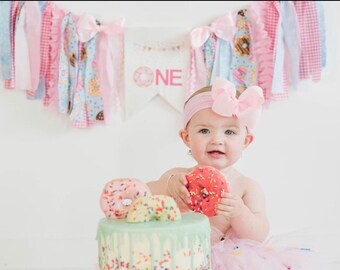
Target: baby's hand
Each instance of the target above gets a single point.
(229, 206)
(177, 188)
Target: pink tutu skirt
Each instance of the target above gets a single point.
(233, 253)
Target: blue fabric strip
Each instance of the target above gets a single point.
(5, 40)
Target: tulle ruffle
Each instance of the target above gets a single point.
(233, 253)
(54, 51)
(261, 47)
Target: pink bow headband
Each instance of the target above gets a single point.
(222, 100)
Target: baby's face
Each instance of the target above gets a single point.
(216, 140)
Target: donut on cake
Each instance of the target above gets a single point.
(119, 194)
(158, 207)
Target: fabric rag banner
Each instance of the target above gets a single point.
(156, 63)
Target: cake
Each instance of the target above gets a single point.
(148, 232)
(154, 245)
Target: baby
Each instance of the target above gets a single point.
(216, 135)
(217, 128)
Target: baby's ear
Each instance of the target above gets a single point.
(183, 133)
(248, 139)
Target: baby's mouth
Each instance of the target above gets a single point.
(215, 152)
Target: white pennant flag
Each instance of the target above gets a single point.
(156, 62)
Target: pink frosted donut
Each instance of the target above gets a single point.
(205, 185)
(143, 76)
(119, 194)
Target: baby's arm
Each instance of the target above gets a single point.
(172, 183)
(158, 187)
(247, 215)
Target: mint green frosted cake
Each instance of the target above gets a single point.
(154, 245)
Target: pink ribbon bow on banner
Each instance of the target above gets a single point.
(223, 27)
(247, 107)
(87, 28)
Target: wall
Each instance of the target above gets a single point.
(51, 174)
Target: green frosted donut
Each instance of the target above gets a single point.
(158, 207)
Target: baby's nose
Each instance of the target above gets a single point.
(216, 143)
(216, 140)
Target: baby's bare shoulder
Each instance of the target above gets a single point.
(253, 191)
(250, 183)
(247, 184)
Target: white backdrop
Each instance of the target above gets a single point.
(52, 174)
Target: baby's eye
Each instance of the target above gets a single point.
(204, 131)
(229, 132)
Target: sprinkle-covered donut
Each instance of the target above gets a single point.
(158, 207)
(143, 76)
(119, 194)
(205, 185)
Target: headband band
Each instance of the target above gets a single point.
(222, 100)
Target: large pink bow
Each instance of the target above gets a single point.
(223, 27)
(247, 107)
(87, 28)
